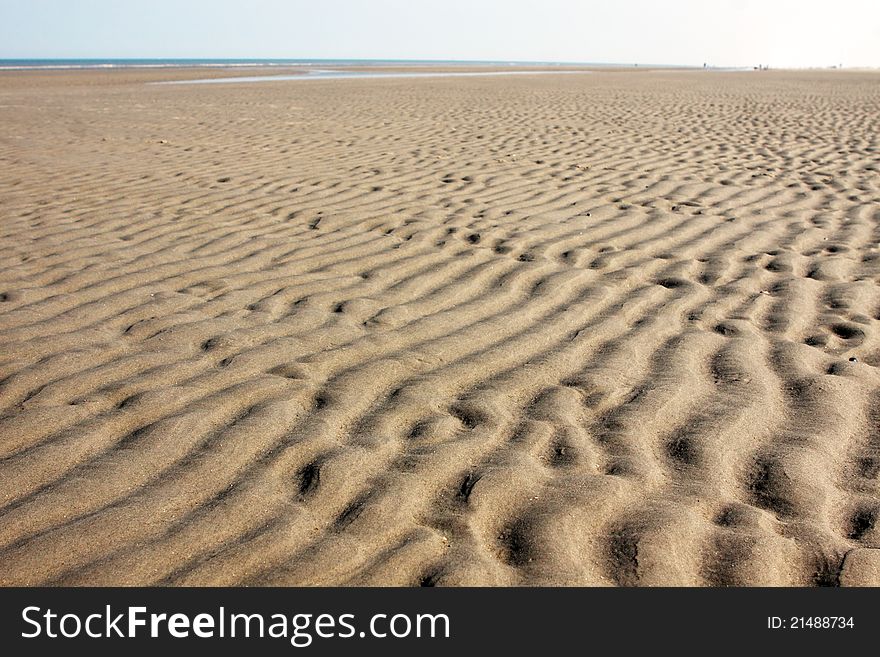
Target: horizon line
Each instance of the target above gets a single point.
(293, 60)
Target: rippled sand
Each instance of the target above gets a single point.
(619, 328)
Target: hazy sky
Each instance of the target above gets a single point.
(721, 32)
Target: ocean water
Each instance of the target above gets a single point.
(316, 69)
(11, 64)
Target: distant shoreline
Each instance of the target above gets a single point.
(50, 64)
(60, 64)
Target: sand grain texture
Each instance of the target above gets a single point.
(612, 329)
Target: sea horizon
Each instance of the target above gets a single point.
(182, 62)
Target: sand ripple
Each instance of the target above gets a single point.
(608, 329)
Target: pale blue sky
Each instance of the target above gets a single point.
(782, 33)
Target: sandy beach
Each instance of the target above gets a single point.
(618, 328)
